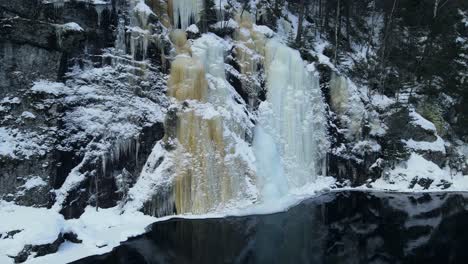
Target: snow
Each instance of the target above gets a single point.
(264, 30)
(10, 100)
(21, 144)
(41, 226)
(366, 146)
(38, 226)
(33, 182)
(95, 2)
(231, 23)
(381, 101)
(73, 179)
(193, 28)
(153, 175)
(438, 145)
(28, 115)
(420, 121)
(142, 8)
(6, 143)
(71, 26)
(399, 178)
(103, 229)
(48, 87)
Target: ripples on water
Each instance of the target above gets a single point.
(345, 227)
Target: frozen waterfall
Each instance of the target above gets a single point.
(290, 138)
(211, 166)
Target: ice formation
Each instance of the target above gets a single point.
(346, 102)
(249, 51)
(290, 131)
(140, 30)
(249, 41)
(184, 12)
(210, 166)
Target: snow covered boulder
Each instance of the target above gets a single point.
(193, 32)
(415, 174)
(409, 132)
(410, 125)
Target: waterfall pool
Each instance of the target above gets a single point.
(337, 227)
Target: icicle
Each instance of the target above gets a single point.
(103, 160)
(99, 10)
(58, 4)
(185, 12)
(120, 39)
(137, 149)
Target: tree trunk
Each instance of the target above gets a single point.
(337, 25)
(436, 5)
(387, 30)
(320, 18)
(302, 10)
(348, 25)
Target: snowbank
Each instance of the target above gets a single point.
(404, 177)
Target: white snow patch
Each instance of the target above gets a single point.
(54, 88)
(142, 8)
(399, 178)
(420, 121)
(33, 182)
(74, 178)
(193, 28)
(28, 115)
(366, 146)
(231, 23)
(438, 145)
(72, 26)
(264, 30)
(17, 144)
(10, 100)
(100, 231)
(381, 101)
(38, 226)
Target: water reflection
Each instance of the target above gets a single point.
(346, 227)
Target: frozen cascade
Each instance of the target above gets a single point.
(250, 51)
(185, 12)
(292, 124)
(141, 31)
(347, 103)
(211, 166)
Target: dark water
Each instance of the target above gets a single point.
(346, 227)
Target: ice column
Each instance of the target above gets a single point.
(205, 177)
(292, 125)
(185, 12)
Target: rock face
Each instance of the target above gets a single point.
(84, 101)
(55, 116)
(83, 97)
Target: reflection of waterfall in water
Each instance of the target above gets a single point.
(290, 137)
